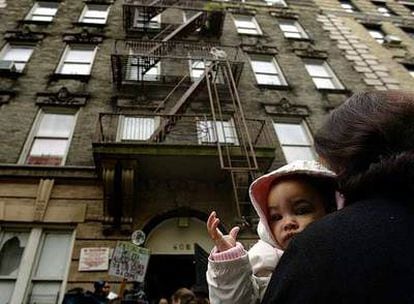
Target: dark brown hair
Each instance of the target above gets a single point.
(369, 142)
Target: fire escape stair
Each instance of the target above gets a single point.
(179, 107)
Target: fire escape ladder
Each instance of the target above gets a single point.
(179, 107)
(238, 157)
(241, 181)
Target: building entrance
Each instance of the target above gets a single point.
(178, 259)
(167, 273)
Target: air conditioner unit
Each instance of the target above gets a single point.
(392, 40)
(7, 65)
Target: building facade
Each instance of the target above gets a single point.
(125, 115)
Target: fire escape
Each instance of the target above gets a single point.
(218, 72)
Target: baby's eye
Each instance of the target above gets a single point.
(303, 208)
(275, 217)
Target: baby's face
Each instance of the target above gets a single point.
(293, 205)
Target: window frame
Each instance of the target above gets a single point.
(65, 53)
(281, 3)
(37, 5)
(213, 132)
(252, 20)
(327, 68)
(30, 259)
(121, 126)
(376, 32)
(348, 6)
(147, 77)
(86, 9)
(35, 127)
(306, 131)
(279, 73)
(9, 46)
(154, 24)
(293, 22)
(382, 5)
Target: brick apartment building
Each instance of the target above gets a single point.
(124, 115)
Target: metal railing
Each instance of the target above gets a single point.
(182, 129)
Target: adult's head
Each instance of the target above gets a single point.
(102, 288)
(369, 142)
(183, 296)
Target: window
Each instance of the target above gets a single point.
(134, 71)
(29, 257)
(408, 5)
(222, 131)
(295, 140)
(408, 31)
(51, 137)
(348, 6)
(141, 21)
(15, 56)
(383, 9)
(197, 68)
(94, 13)
(376, 33)
(292, 29)
(247, 25)
(322, 75)
(77, 60)
(137, 128)
(276, 2)
(267, 70)
(43, 11)
(410, 69)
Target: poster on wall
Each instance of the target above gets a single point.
(129, 261)
(94, 259)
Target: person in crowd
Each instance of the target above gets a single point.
(163, 301)
(101, 291)
(183, 296)
(364, 253)
(287, 200)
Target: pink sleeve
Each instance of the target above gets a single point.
(231, 254)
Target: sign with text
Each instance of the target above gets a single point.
(94, 259)
(129, 261)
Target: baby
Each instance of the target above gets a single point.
(287, 200)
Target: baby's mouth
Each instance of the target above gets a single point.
(288, 237)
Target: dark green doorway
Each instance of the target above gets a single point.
(167, 273)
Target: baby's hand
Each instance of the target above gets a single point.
(222, 242)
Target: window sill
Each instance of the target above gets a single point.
(274, 87)
(96, 25)
(334, 91)
(57, 76)
(303, 39)
(36, 22)
(249, 35)
(10, 74)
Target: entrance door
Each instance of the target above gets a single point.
(166, 273)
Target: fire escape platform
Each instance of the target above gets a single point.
(173, 161)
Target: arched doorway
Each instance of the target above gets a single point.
(173, 263)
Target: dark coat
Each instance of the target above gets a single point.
(363, 253)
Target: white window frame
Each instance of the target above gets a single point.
(223, 132)
(241, 22)
(35, 15)
(410, 69)
(6, 54)
(88, 15)
(134, 124)
(348, 6)
(292, 29)
(276, 2)
(65, 61)
(30, 259)
(276, 74)
(408, 5)
(35, 128)
(153, 74)
(382, 8)
(377, 34)
(328, 74)
(155, 22)
(307, 145)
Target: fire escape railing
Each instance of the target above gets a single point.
(210, 18)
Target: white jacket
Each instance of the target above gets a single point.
(243, 280)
